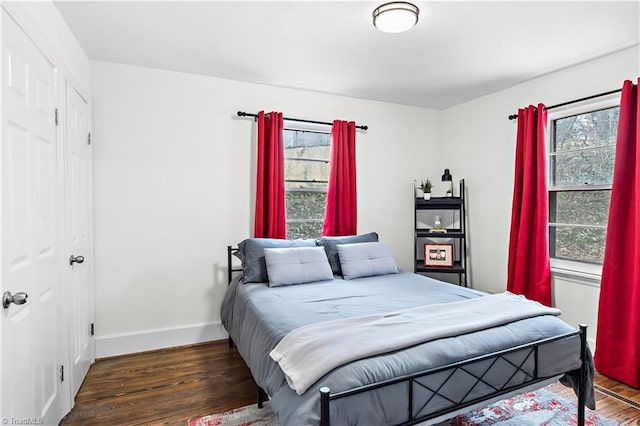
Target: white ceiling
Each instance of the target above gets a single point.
(457, 52)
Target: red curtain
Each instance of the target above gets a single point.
(618, 337)
(271, 216)
(341, 215)
(529, 270)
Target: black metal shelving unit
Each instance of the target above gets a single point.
(458, 234)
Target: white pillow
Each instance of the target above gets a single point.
(366, 260)
(296, 265)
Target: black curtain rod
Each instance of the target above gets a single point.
(514, 116)
(248, 114)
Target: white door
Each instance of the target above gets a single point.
(78, 233)
(30, 225)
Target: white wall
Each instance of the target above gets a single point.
(479, 144)
(173, 177)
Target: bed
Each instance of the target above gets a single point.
(428, 380)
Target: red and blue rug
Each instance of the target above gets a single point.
(539, 408)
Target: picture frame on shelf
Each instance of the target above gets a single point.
(438, 254)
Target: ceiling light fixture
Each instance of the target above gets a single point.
(395, 17)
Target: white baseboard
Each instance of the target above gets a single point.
(148, 340)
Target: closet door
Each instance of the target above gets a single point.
(30, 238)
(78, 236)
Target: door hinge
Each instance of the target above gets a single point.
(56, 116)
(91, 329)
(61, 373)
(89, 138)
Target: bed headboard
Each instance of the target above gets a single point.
(230, 268)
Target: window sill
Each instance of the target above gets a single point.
(582, 273)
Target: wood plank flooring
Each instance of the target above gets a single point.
(163, 387)
(171, 386)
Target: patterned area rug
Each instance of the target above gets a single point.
(539, 408)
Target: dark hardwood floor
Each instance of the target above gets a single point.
(171, 386)
(167, 386)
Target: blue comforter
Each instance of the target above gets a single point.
(257, 317)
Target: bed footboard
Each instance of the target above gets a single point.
(527, 372)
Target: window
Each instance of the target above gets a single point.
(581, 156)
(306, 165)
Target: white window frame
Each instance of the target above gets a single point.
(571, 268)
(307, 127)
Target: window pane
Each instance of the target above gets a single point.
(305, 214)
(304, 138)
(304, 230)
(579, 207)
(591, 167)
(306, 159)
(582, 153)
(590, 130)
(306, 164)
(580, 244)
(305, 205)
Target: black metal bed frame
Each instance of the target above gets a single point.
(529, 353)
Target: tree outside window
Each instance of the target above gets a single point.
(581, 156)
(306, 164)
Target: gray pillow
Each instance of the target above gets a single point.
(251, 252)
(296, 265)
(366, 260)
(330, 246)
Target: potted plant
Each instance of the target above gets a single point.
(419, 193)
(426, 186)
